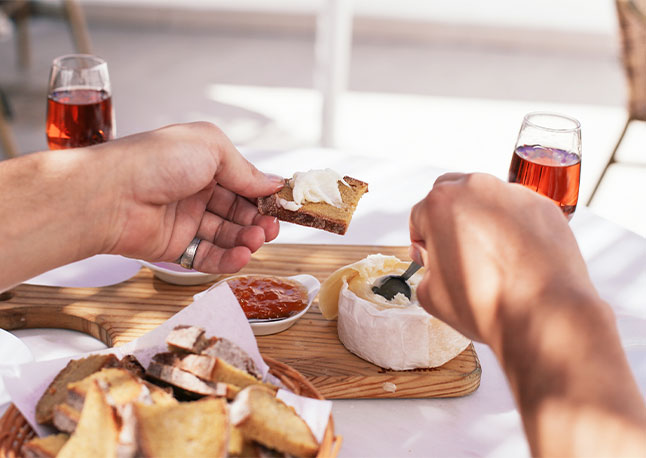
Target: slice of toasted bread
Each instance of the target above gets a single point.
(232, 354)
(66, 417)
(44, 447)
(216, 370)
(122, 386)
(319, 215)
(238, 444)
(198, 428)
(186, 338)
(192, 339)
(97, 431)
(268, 420)
(75, 370)
(132, 365)
(189, 385)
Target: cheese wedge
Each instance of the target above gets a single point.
(397, 334)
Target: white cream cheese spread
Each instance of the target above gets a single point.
(288, 204)
(316, 186)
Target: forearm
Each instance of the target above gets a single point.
(571, 378)
(44, 211)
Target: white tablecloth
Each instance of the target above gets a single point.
(485, 423)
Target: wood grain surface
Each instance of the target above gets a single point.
(123, 312)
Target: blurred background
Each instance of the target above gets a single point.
(444, 83)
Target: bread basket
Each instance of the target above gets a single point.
(15, 431)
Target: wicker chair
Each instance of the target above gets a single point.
(632, 26)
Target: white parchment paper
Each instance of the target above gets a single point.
(217, 311)
(94, 272)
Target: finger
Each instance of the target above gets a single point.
(214, 259)
(417, 252)
(191, 212)
(233, 171)
(232, 206)
(240, 210)
(423, 296)
(448, 177)
(416, 223)
(270, 225)
(227, 234)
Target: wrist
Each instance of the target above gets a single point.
(77, 181)
(557, 313)
(44, 214)
(563, 358)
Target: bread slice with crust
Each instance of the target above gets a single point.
(224, 349)
(319, 215)
(268, 420)
(66, 417)
(97, 433)
(120, 385)
(217, 370)
(44, 447)
(190, 429)
(75, 370)
(163, 367)
(192, 339)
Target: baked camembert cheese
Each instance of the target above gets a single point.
(397, 334)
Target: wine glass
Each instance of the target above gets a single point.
(547, 158)
(79, 102)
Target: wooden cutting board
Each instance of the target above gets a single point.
(120, 313)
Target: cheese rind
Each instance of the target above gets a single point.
(373, 266)
(397, 335)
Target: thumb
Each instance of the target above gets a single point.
(237, 174)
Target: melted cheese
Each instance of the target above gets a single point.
(397, 334)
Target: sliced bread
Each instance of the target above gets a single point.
(319, 215)
(186, 338)
(192, 339)
(190, 429)
(228, 351)
(216, 370)
(75, 370)
(268, 420)
(44, 447)
(66, 417)
(188, 385)
(97, 432)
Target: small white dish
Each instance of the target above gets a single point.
(177, 275)
(273, 327)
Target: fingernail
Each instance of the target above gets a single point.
(276, 180)
(415, 253)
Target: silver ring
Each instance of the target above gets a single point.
(187, 258)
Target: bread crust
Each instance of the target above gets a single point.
(190, 384)
(75, 370)
(44, 447)
(312, 214)
(268, 420)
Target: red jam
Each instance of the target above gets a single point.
(268, 297)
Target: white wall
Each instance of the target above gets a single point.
(596, 16)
